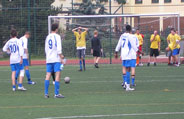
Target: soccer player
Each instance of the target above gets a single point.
(126, 43)
(173, 47)
(96, 48)
(81, 45)
(54, 59)
(155, 47)
(140, 38)
(26, 56)
(14, 47)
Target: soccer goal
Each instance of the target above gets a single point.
(110, 27)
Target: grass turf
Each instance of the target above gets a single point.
(96, 92)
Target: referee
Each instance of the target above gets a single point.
(96, 48)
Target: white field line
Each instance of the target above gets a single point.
(115, 115)
(139, 81)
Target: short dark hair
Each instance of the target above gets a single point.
(128, 28)
(54, 27)
(172, 29)
(27, 32)
(13, 33)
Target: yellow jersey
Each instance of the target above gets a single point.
(139, 36)
(172, 41)
(80, 39)
(155, 42)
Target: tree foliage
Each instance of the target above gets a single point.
(14, 14)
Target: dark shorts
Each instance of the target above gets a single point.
(96, 53)
(81, 53)
(154, 52)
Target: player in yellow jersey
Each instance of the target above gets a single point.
(173, 46)
(155, 47)
(140, 38)
(81, 45)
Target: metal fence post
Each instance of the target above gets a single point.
(110, 35)
(29, 28)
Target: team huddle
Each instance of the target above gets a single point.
(129, 43)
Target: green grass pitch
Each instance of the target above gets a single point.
(159, 94)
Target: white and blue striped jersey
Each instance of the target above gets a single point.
(14, 45)
(25, 44)
(126, 43)
(53, 48)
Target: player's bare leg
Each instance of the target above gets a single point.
(155, 60)
(96, 62)
(149, 60)
(133, 76)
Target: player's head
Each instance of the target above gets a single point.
(95, 33)
(79, 29)
(27, 34)
(54, 27)
(137, 31)
(13, 33)
(173, 31)
(176, 32)
(133, 31)
(128, 28)
(155, 32)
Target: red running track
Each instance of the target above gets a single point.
(88, 61)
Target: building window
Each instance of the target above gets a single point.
(182, 0)
(155, 1)
(138, 1)
(167, 1)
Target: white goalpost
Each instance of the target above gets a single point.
(111, 26)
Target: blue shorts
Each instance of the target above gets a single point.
(16, 67)
(53, 67)
(25, 62)
(129, 63)
(176, 52)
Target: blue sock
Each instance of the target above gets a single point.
(124, 78)
(84, 63)
(20, 85)
(133, 81)
(46, 86)
(128, 77)
(80, 63)
(28, 75)
(14, 86)
(57, 85)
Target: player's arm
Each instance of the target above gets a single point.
(168, 40)
(25, 47)
(6, 48)
(152, 38)
(92, 46)
(86, 29)
(59, 49)
(73, 30)
(118, 46)
(159, 44)
(21, 50)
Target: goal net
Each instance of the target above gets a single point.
(110, 27)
